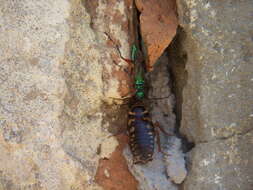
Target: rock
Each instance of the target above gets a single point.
(151, 175)
(108, 146)
(215, 164)
(220, 55)
(56, 73)
(175, 161)
(158, 24)
(59, 72)
(216, 46)
(33, 36)
(112, 20)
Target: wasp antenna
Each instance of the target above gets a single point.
(129, 61)
(116, 46)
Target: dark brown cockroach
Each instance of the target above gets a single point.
(142, 132)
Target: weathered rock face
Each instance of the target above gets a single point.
(33, 37)
(222, 164)
(216, 100)
(59, 65)
(55, 71)
(90, 76)
(60, 71)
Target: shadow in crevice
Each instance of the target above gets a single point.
(179, 75)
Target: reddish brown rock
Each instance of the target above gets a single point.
(113, 173)
(158, 22)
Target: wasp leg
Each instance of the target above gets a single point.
(156, 124)
(129, 62)
(159, 143)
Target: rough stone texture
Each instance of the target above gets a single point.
(33, 36)
(92, 76)
(55, 71)
(158, 24)
(112, 20)
(59, 66)
(217, 107)
(219, 87)
(222, 164)
(153, 174)
(175, 161)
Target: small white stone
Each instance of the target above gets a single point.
(213, 13)
(107, 174)
(207, 6)
(108, 146)
(175, 162)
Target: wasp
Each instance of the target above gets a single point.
(140, 127)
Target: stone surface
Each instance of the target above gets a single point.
(219, 86)
(112, 20)
(222, 164)
(56, 72)
(158, 25)
(32, 42)
(151, 175)
(175, 161)
(217, 98)
(60, 71)
(92, 78)
(108, 146)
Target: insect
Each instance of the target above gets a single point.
(141, 134)
(141, 130)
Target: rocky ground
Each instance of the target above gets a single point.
(61, 75)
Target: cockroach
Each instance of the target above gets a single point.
(142, 132)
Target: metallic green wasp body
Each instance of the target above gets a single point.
(139, 82)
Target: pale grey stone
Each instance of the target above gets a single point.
(216, 44)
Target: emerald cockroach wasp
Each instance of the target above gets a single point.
(141, 129)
